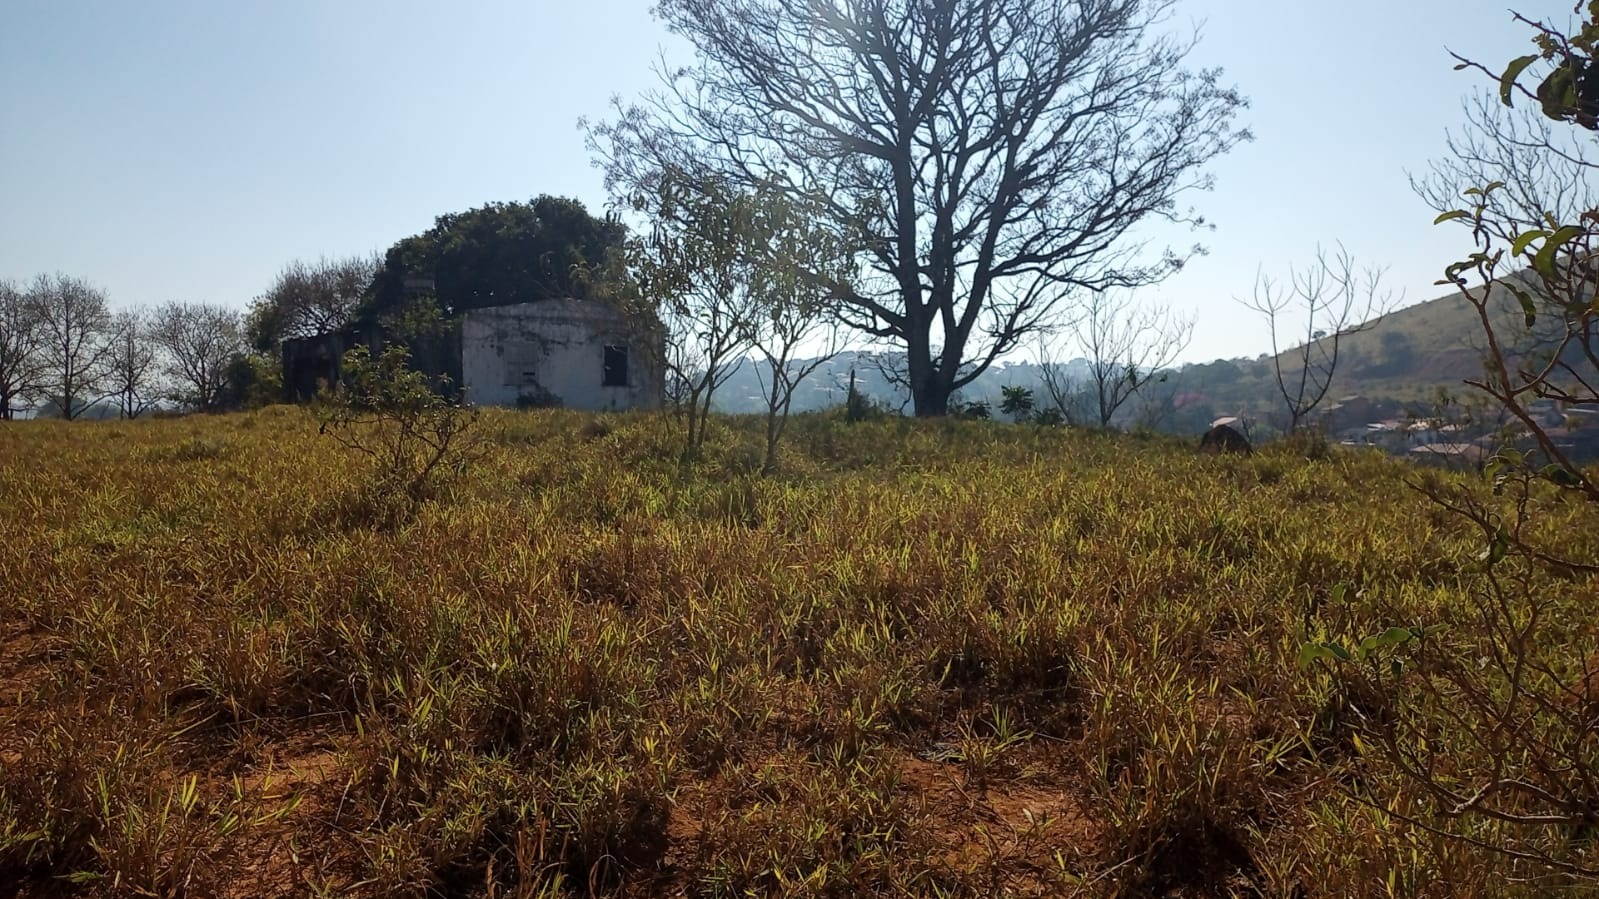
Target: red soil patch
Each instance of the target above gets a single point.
(1018, 830)
(293, 790)
(291, 787)
(24, 667)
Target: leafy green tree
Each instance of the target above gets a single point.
(250, 381)
(496, 254)
(790, 311)
(694, 272)
(1017, 402)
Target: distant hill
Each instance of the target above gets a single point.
(1436, 343)
(830, 384)
(1405, 358)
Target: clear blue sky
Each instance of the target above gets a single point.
(187, 150)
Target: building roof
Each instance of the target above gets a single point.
(1450, 450)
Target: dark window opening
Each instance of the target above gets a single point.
(615, 372)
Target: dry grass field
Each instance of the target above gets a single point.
(928, 659)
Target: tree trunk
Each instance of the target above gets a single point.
(776, 402)
(769, 463)
(930, 388)
(931, 397)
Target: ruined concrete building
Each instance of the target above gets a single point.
(578, 354)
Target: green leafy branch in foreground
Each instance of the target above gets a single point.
(390, 412)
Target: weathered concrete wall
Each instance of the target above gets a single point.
(551, 353)
(309, 363)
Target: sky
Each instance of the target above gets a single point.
(188, 149)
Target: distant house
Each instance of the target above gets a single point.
(1581, 417)
(1347, 413)
(578, 354)
(1462, 455)
(1235, 422)
(1547, 413)
(1424, 432)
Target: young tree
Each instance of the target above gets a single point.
(789, 312)
(19, 348)
(131, 364)
(1325, 303)
(74, 350)
(1155, 406)
(1017, 402)
(988, 158)
(391, 413)
(1126, 348)
(202, 343)
(781, 327)
(1063, 384)
(694, 268)
(1489, 722)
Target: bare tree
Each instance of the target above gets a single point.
(19, 349)
(1127, 347)
(131, 364)
(1323, 304)
(989, 159)
(74, 350)
(779, 333)
(201, 341)
(1063, 387)
(891, 367)
(694, 269)
(311, 299)
(1156, 402)
(1542, 171)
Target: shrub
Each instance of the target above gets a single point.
(389, 412)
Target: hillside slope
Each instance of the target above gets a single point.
(1406, 357)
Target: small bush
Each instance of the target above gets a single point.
(1310, 444)
(391, 413)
